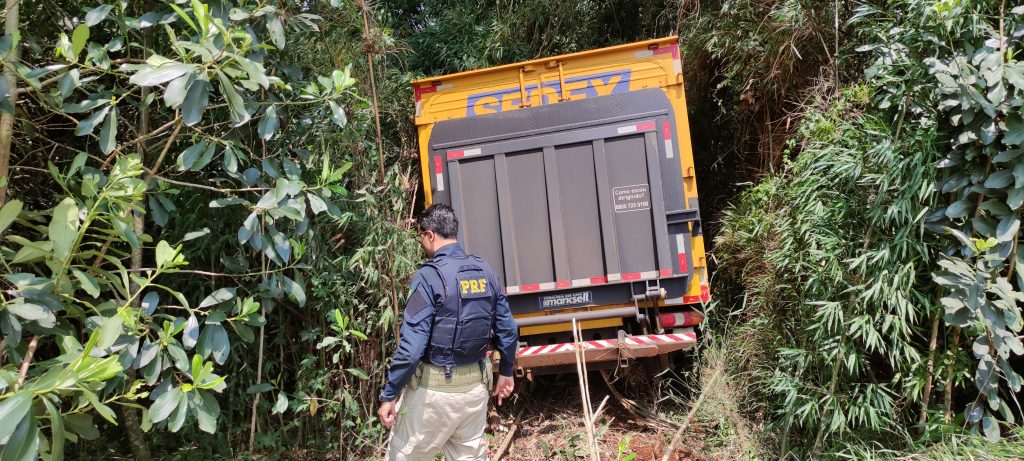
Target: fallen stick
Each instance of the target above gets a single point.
(507, 441)
(600, 408)
(689, 416)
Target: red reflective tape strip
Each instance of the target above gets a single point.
(563, 284)
(529, 287)
(691, 299)
(666, 272)
(705, 294)
(456, 154)
(683, 266)
(675, 338)
(596, 280)
(657, 339)
(645, 126)
(631, 276)
(437, 164)
(595, 344)
(420, 91)
(666, 131)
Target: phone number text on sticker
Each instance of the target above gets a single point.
(631, 198)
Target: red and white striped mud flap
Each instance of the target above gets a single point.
(602, 350)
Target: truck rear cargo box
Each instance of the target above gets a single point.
(573, 177)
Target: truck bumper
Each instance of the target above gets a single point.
(605, 350)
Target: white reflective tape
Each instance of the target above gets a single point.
(614, 277)
(580, 282)
(668, 149)
(444, 87)
(678, 66)
(644, 54)
(649, 275)
(680, 244)
(547, 286)
(419, 108)
(471, 152)
(440, 181)
(512, 290)
(627, 129)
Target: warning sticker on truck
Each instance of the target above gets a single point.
(631, 198)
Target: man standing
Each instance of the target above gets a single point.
(455, 309)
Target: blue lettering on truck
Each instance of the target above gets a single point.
(586, 86)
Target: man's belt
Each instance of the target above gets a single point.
(463, 378)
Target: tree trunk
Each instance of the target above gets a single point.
(7, 119)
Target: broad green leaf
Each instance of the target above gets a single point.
(69, 82)
(165, 405)
(337, 113)
(196, 100)
(176, 91)
(8, 213)
(163, 73)
(108, 134)
(188, 157)
(24, 442)
(78, 39)
(230, 162)
(1014, 126)
(109, 331)
(235, 102)
(56, 432)
(12, 410)
(282, 403)
(259, 388)
(81, 424)
(223, 202)
(207, 411)
(88, 282)
(196, 234)
(248, 227)
(316, 203)
(190, 334)
(276, 30)
(1007, 228)
(295, 292)
(204, 159)
(269, 123)
(165, 254)
(64, 228)
(95, 15)
(220, 345)
(359, 373)
(219, 296)
(150, 302)
(33, 313)
(87, 125)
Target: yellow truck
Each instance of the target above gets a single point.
(573, 177)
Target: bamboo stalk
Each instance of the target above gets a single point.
(923, 418)
(581, 371)
(7, 119)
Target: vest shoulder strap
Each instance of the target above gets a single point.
(434, 275)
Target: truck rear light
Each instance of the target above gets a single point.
(680, 319)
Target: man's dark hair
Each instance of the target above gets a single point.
(441, 219)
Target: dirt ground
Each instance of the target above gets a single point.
(549, 419)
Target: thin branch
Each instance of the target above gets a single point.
(26, 361)
(210, 188)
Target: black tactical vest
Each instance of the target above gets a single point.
(464, 318)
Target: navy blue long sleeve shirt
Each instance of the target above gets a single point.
(419, 321)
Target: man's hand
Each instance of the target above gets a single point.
(387, 413)
(504, 387)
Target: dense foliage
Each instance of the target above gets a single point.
(881, 260)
